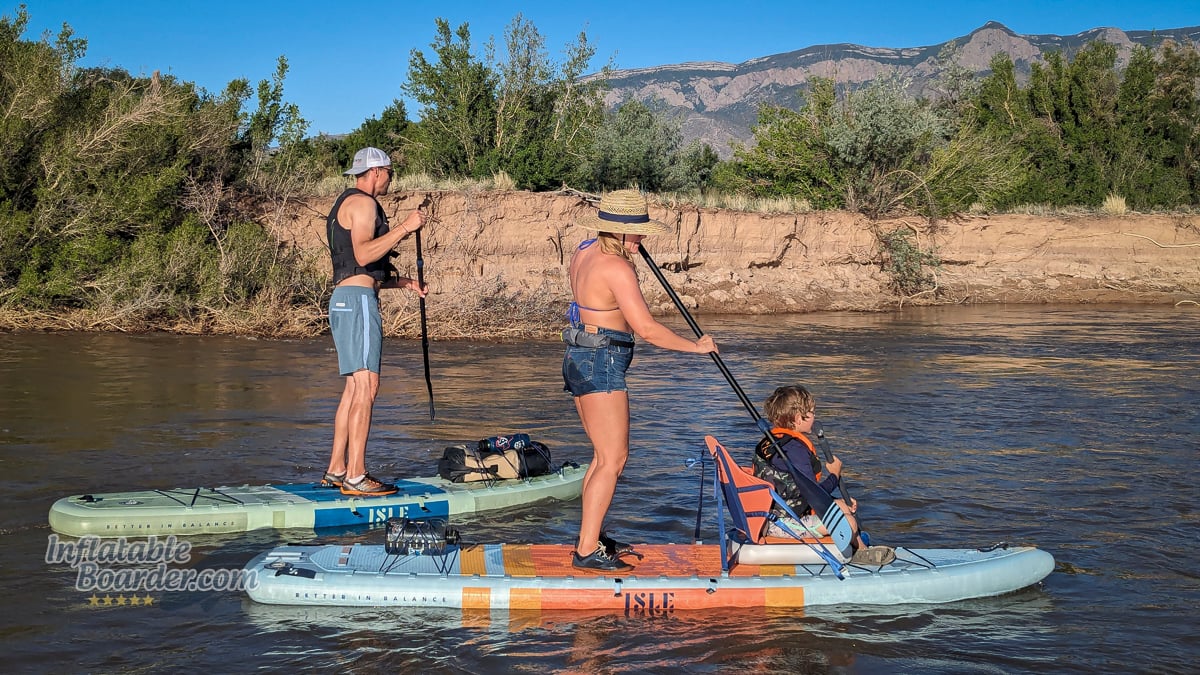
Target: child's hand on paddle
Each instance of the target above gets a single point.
(835, 466)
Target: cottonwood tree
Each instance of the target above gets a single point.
(578, 100)
(456, 130)
(515, 110)
(545, 113)
(35, 81)
(385, 132)
(523, 80)
(1089, 131)
(1171, 129)
(638, 146)
(278, 166)
(790, 155)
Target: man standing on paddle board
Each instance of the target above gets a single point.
(608, 308)
(360, 242)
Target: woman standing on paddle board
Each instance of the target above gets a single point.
(607, 310)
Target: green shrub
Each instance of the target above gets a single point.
(911, 269)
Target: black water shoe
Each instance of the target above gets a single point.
(616, 549)
(333, 479)
(599, 561)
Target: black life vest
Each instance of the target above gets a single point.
(785, 482)
(341, 247)
(766, 450)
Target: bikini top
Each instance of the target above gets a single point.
(574, 307)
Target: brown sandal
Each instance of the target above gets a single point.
(368, 487)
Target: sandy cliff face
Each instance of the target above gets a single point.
(519, 243)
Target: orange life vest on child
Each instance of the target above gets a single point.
(784, 473)
(766, 450)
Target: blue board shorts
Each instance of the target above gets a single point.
(357, 328)
(590, 370)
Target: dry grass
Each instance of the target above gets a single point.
(503, 182)
(333, 185)
(735, 202)
(476, 309)
(1114, 205)
(1048, 210)
(425, 182)
(262, 319)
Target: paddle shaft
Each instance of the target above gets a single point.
(699, 333)
(424, 324)
(829, 458)
(821, 501)
(700, 506)
(762, 424)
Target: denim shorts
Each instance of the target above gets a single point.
(357, 328)
(588, 370)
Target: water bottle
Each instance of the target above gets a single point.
(504, 443)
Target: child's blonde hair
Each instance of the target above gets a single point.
(788, 404)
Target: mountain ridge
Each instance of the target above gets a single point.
(718, 102)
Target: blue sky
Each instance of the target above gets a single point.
(348, 60)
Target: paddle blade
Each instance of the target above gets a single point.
(839, 529)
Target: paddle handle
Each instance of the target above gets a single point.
(829, 458)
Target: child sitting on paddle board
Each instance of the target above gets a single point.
(792, 411)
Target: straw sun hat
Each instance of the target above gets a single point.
(623, 212)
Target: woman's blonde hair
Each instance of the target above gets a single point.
(609, 243)
(787, 404)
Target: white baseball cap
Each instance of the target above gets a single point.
(368, 158)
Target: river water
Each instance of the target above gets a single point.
(1076, 429)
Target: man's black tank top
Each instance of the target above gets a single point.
(341, 247)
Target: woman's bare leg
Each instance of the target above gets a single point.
(605, 418)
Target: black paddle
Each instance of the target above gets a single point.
(699, 333)
(829, 458)
(820, 500)
(424, 325)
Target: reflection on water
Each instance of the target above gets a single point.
(762, 640)
(1074, 429)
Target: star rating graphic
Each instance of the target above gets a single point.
(121, 600)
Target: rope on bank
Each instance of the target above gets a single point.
(1142, 236)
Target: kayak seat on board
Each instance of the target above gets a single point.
(749, 499)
